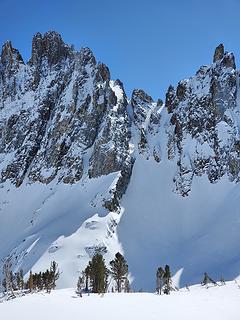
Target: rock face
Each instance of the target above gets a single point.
(219, 53)
(62, 104)
(203, 110)
(64, 123)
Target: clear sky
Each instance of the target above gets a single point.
(147, 44)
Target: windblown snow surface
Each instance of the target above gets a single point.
(199, 303)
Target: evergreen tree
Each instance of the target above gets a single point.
(30, 282)
(47, 281)
(97, 274)
(42, 280)
(127, 287)
(160, 281)
(80, 286)
(13, 281)
(107, 272)
(20, 280)
(86, 275)
(39, 281)
(164, 281)
(207, 280)
(119, 270)
(167, 280)
(7, 277)
(54, 274)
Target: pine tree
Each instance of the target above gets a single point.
(48, 281)
(127, 287)
(119, 270)
(207, 280)
(13, 281)
(80, 286)
(164, 281)
(97, 273)
(54, 274)
(106, 275)
(8, 278)
(40, 281)
(20, 280)
(167, 280)
(160, 281)
(30, 282)
(86, 275)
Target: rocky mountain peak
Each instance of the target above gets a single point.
(202, 108)
(139, 95)
(71, 143)
(226, 59)
(87, 57)
(103, 72)
(169, 101)
(140, 102)
(219, 52)
(49, 46)
(10, 56)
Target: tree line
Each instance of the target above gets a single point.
(95, 278)
(13, 282)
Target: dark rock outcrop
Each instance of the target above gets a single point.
(219, 53)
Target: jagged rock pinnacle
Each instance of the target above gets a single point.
(51, 46)
(219, 53)
(10, 55)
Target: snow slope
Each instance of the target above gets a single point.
(198, 233)
(199, 303)
(65, 223)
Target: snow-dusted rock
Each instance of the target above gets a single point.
(75, 152)
(204, 116)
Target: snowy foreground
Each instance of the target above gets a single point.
(220, 303)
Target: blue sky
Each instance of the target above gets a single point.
(147, 44)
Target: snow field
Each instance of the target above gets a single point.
(220, 303)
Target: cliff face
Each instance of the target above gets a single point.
(70, 140)
(204, 112)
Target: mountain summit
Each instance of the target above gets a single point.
(85, 168)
